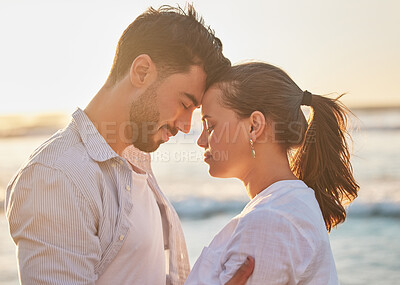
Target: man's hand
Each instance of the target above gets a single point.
(243, 273)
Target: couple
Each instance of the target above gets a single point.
(86, 208)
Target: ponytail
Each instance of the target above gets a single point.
(323, 159)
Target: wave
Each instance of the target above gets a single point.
(381, 209)
(202, 208)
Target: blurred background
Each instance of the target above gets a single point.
(55, 56)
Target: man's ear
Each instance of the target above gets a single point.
(143, 71)
(257, 125)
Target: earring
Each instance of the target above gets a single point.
(253, 152)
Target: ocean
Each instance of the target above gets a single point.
(366, 246)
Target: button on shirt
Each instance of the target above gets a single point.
(68, 209)
(141, 259)
(283, 229)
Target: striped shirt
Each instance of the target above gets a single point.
(68, 209)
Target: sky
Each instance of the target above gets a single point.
(56, 55)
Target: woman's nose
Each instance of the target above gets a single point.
(203, 140)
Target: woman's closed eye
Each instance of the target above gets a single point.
(209, 128)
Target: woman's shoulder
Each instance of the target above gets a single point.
(290, 198)
(294, 210)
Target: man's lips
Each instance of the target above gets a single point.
(172, 131)
(167, 132)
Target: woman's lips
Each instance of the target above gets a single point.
(207, 155)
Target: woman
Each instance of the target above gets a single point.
(297, 174)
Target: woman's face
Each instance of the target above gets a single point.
(225, 137)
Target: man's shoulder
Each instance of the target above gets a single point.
(62, 155)
(65, 145)
(65, 152)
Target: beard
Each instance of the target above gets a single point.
(144, 120)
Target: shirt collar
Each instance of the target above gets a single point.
(277, 187)
(138, 158)
(96, 146)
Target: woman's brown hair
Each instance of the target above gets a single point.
(318, 149)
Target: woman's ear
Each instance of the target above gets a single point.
(257, 125)
(142, 71)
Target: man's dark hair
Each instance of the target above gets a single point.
(175, 39)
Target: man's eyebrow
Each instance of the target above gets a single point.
(205, 117)
(192, 98)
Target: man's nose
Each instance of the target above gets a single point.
(184, 123)
(183, 126)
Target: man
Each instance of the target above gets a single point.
(86, 208)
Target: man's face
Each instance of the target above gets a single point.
(166, 107)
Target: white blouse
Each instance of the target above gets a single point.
(283, 229)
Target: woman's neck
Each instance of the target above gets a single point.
(265, 172)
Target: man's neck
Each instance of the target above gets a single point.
(111, 118)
